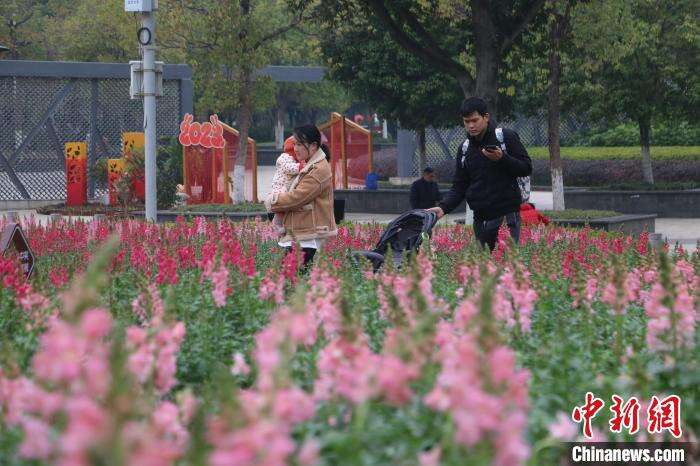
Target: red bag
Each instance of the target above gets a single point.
(530, 216)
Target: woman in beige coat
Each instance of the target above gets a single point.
(308, 205)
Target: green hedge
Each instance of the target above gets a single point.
(670, 133)
(625, 152)
(657, 186)
(571, 214)
(243, 207)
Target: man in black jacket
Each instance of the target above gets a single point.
(487, 176)
(424, 191)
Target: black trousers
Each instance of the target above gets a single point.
(486, 231)
(307, 255)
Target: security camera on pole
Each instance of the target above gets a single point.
(147, 81)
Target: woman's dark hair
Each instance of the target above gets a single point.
(309, 134)
(473, 104)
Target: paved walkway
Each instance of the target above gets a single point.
(265, 174)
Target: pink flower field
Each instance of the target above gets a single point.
(200, 343)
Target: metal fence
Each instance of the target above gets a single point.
(441, 144)
(43, 105)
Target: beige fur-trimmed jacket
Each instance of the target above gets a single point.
(308, 205)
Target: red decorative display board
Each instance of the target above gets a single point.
(207, 135)
(209, 155)
(76, 173)
(115, 168)
(135, 143)
(351, 151)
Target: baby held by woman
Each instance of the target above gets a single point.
(287, 167)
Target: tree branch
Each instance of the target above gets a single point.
(431, 52)
(190, 40)
(418, 28)
(279, 31)
(197, 10)
(535, 8)
(25, 19)
(12, 24)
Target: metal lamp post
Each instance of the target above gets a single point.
(146, 36)
(148, 22)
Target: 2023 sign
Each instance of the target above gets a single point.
(208, 134)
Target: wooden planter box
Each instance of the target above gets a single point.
(628, 224)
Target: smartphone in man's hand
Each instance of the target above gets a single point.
(492, 152)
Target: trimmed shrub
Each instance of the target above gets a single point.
(597, 170)
(384, 162)
(625, 152)
(169, 174)
(612, 171)
(674, 133)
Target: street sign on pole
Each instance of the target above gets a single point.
(138, 6)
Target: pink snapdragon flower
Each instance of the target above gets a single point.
(220, 289)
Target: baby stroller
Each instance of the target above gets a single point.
(403, 234)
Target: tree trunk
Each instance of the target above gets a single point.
(464, 84)
(245, 110)
(645, 139)
(14, 46)
(421, 150)
(279, 128)
(244, 116)
(487, 55)
(555, 166)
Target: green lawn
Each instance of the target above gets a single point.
(601, 153)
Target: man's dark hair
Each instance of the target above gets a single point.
(473, 104)
(428, 170)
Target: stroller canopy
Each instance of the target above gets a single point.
(404, 233)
